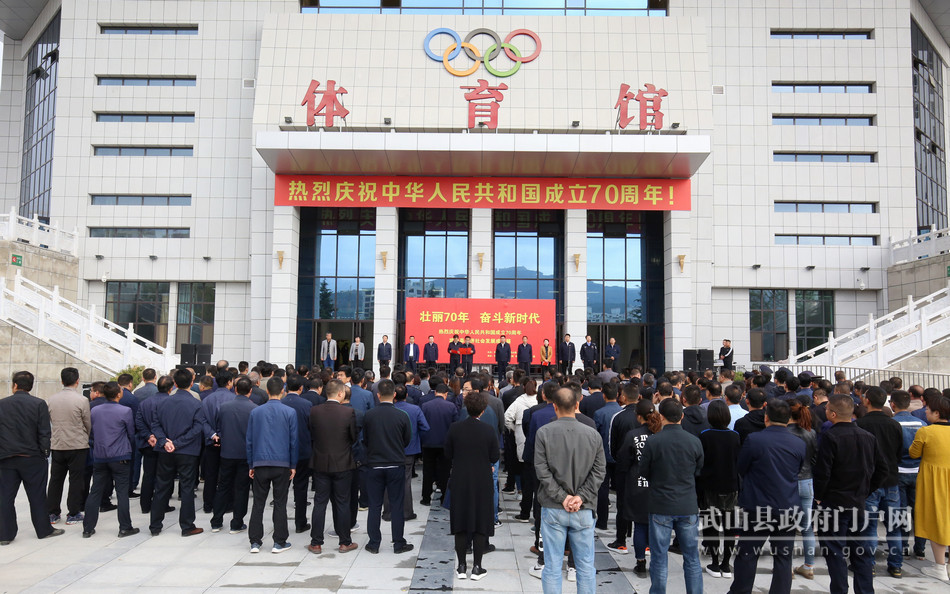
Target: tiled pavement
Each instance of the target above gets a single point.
(221, 564)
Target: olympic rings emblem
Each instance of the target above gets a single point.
(459, 45)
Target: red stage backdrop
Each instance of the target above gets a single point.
(485, 320)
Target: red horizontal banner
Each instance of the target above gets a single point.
(485, 320)
(482, 192)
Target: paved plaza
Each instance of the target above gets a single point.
(221, 563)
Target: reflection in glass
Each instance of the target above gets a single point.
(504, 257)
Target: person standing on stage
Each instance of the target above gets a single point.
(502, 357)
(725, 354)
(430, 354)
(547, 357)
(357, 353)
(566, 355)
(328, 352)
(525, 355)
(469, 356)
(384, 352)
(589, 354)
(455, 359)
(612, 354)
(410, 354)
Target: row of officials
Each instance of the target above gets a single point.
(461, 354)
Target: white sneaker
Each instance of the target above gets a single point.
(255, 547)
(571, 574)
(536, 571)
(938, 572)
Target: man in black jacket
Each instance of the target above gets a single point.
(384, 352)
(566, 355)
(387, 432)
(755, 420)
(890, 436)
(850, 466)
(624, 421)
(234, 483)
(694, 416)
(589, 355)
(25, 435)
(502, 357)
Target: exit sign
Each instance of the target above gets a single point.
(18, 261)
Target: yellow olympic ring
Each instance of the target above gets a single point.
(450, 49)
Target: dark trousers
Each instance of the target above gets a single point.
(501, 368)
(32, 472)
(354, 363)
(529, 486)
(565, 367)
(406, 491)
(603, 498)
(149, 468)
(624, 524)
(264, 477)
(136, 470)
(380, 481)
(526, 367)
(109, 473)
(839, 536)
(357, 493)
(512, 464)
(234, 485)
(211, 466)
(432, 364)
(435, 467)
(720, 519)
(454, 363)
(301, 480)
(411, 366)
(185, 467)
(467, 365)
(751, 543)
(63, 462)
(335, 488)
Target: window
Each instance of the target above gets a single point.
(811, 120)
(823, 157)
(529, 255)
(145, 81)
(195, 314)
(144, 305)
(433, 254)
(36, 172)
(149, 30)
(814, 318)
(825, 240)
(491, 7)
(827, 207)
(146, 117)
(337, 274)
(768, 324)
(139, 233)
(822, 87)
(821, 34)
(147, 200)
(930, 156)
(143, 151)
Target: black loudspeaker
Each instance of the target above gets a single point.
(188, 355)
(690, 359)
(705, 359)
(203, 354)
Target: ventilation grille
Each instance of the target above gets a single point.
(718, 90)
(249, 83)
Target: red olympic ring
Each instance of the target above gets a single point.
(532, 35)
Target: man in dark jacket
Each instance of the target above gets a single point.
(525, 356)
(502, 357)
(301, 406)
(769, 463)
(25, 436)
(113, 432)
(334, 430)
(234, 483)
(145, 440)
(430, 353)
(211, 455)
(440, 414)
(671, 461)
(694, 415)
(589, 356)
(384, 352)
(387, 432)
(887, 498)
(455, 359)
(850, 466)
(566, 355)
(755, 420)
(595, 400)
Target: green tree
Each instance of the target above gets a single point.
(326, 302)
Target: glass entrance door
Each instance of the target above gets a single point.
(631, 338)
(344, 332)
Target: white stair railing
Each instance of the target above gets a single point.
(32, 231)
(925, 245)
(889, 339)
(78, 331)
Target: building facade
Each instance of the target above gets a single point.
(170, 133)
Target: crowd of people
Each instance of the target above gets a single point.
(747, 462)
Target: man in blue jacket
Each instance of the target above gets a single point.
(430, 353)
(211, 455)
(602, 418)
(769, 463)
(301, 406)
(272, 458)
(384, 352)
(234, 481)
(439, 414)
(525, 355)
(114, 434)
(360, 398)
(178, 427)
(145, 440)
(502, 357)
(410, 354)
(566, 354)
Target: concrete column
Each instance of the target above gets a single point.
(480, 242)
(173, 314)
(575, 279)
(384, 316)
(677, 289)
(283, 303)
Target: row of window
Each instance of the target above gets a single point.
(825, 240)
(129, 200)
(144, 151)
(828, 207)
(490, 7)
(810, 120)
(820, 34)
(768, 321)
(816, 87)
(147, 30)
(147, 81)
(145, 306)
(823, 157)
(146, 117)
(139, 233)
